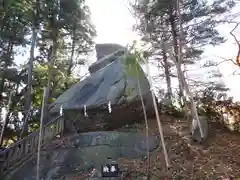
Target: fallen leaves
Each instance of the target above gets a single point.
(220, 160)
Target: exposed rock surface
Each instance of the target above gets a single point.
(83, 153)
(106, 49)
(109, 82)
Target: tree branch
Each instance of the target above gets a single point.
(225, 60)
(237, 59)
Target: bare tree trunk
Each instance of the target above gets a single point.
(50, 70)
(165, 62)
(181, 75)
(72, 52)
(167, 73)
(30, 72)
(175, 48)
(51, 61)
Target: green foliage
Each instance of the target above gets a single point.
(133, 60)
(199, 24)
(129, 91)
(65, 23)
(158, 26)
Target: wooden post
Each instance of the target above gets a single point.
(40, 134)
(5, 118)
(158, 119)
(146, 121)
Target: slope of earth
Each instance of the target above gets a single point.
(218, 158)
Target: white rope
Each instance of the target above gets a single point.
(85, 111)
(109, 107)
(61, 110)
(40, 134)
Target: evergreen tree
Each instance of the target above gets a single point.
(158, 26)
(56, 30)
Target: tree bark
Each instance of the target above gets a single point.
(167, 73)
(172, 18)
(51, 60)
(72, 52)
(181, 75)
(30, 71)
(50, 71)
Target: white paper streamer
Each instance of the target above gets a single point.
(85, 111)
(109, 107)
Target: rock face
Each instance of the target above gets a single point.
(83, 153)
(106, 49)
(109, 82)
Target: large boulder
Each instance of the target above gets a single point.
(103, 62)
(77, 155)
(106, 49)
(109, 82)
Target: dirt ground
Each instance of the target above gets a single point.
(218, 158)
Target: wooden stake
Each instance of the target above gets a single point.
(40, 134)
(146, 123)
(158, 119)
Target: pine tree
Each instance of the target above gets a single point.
(158, 25)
